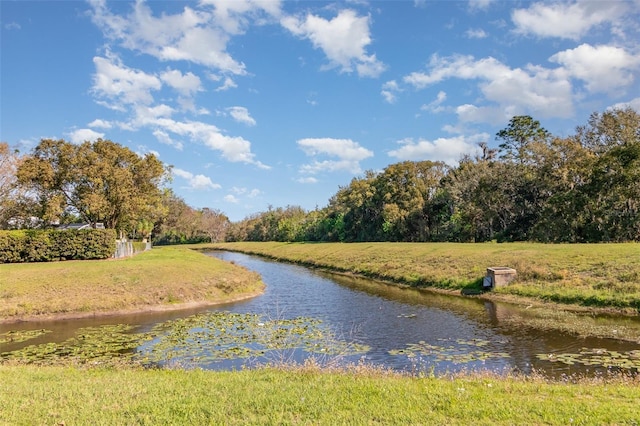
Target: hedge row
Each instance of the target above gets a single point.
(50, 245)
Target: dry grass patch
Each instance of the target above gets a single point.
(600, 275)
(161, 277)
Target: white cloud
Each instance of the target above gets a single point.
(476, 33)
(125, 88)
(480, 4)
(436, 104)
(329, 166)
(308, 179)
(233, 16)
(227, 84)
(633, 103)
(196, 182)
(389, 96)
(343, 40)
(458, 66)
(192, 35)
(534, 89)
(186, 84)
(143, 150)
(448, 150)
(343, 148)
(231, 199)
(120, 85)
(390, 90)
(234, 149)
(496, 115)
(147, 116)
(369, 66)
(12, 26)
(79, 136)
(163, 137)
(101, 124)
(249, 193)
(348, 152)
(570, 20)
(602, 68)
(241, 115)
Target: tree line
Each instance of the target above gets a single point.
(100, 182)
(534, 187)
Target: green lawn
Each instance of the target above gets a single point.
(165, 277)
(55, 395)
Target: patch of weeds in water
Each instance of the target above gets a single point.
(21, 335)
(217, 336)
(196, 339)
(458, 351)
(597, 357)
(92, 344)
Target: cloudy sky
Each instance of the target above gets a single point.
(266, 102)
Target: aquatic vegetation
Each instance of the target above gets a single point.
(21, 335)
(597, 357)
(458, 351)
(219, 336)
(92, 344)
(200, 338)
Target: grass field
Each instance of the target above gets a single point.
(57, 395)
(595, 275)
(161, 278)
(170, 277)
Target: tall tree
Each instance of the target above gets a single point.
(354, 205)
(99, 181)
(518, 135)
(9, 195)
(214, 224)
(480, 211)
(614, 187)
(403, 192)
(563, 172)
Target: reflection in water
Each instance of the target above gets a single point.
(404, 328)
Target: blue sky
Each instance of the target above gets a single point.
(257, 103)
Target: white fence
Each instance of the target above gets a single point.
(124, 248)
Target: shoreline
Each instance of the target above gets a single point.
(522, 301)
(540, 314)
(141, 310)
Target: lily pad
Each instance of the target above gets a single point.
(597, 357)
(21, 335)
(458, 351)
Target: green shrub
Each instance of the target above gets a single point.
(38, 246)
(67, 245)
(11, 246)
(48, 245)
(99, 243)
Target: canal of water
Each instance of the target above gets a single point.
(394, 327)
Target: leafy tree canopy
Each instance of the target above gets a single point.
(99, 181)
(516, 137)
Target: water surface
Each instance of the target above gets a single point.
(403, 328)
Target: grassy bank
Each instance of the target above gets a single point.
(596, 275)
(162, 278)
(53, 395)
